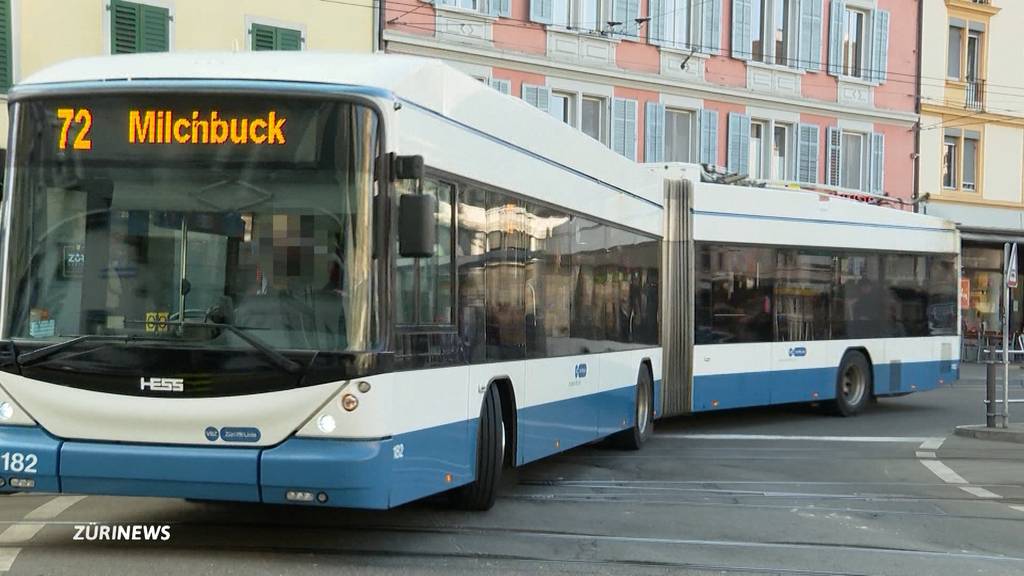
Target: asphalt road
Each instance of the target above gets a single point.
(770, 491)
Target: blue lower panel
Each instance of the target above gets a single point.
(721, 391)
(351, 473)
(39, 457)
(550, 428)
(173, 471)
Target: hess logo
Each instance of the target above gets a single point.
(162, 384)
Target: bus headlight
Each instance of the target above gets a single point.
(6, 411)
(359, 408)
(326, 423)
(11, 414)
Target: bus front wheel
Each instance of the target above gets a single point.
(853, 384)
(490, 447)
(643, 421)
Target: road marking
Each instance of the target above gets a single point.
(922, 454)
(23, 532)
(932, 444)
(980, 492)
(945, 473)
(879, 439)
(1018, 508)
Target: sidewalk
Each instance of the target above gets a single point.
(974, 373)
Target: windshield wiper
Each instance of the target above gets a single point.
(40, 354)
(280, 360)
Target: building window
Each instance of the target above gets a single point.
(757, 24)
(138, 27)
(561, 107)
(678, 134)
(973, 56)
(592, 118)
(961, 156)
(853, 44)
(950, 161)
(780, 32)
(853, 155)
(780, 149)
(955, 49)
(758, 131)
(263, 37)
(586, 15)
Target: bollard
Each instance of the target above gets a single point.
(990, 395)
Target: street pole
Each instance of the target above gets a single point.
(1009, 281)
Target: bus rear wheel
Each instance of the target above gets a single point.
(853, 384)
(490, 455)
(634, 437)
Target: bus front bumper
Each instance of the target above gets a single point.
(342, 473)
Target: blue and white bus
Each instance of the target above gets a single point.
(356, 281)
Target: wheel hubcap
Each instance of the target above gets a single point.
(853, 385)
(643, 403)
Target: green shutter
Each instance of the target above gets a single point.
(6, 74)
(273, 38)
(138, 27)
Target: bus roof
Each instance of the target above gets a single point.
(428, 83)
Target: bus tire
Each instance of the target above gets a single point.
(643, 422)
(490, 447)
(853, 384)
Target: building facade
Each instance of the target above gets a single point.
(972, 141)
(821, 92)
(37, 33)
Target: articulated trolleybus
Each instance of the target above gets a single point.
(360, 280)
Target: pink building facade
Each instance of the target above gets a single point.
(821, 92)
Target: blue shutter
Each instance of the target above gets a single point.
(6, 62)
(537, 96)
(708, 137)
(742, 13)
(835, 37)
(626, 12)
(656, 25)
(711, 26)
(835, 156)
(503, 86)
(499, 8)
(738, 159)
(624, 127)
(879, 45)
(541, 11)
(807, 153)
(877, 182)
(654, 132)
(809, 51)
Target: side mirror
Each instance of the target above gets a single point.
(417, 235)
(406, 167)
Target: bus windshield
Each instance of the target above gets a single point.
(147, 214)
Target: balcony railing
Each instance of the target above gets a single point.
(974, 96)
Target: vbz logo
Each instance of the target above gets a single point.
(798, 352)
(580, 371)
(162, 384)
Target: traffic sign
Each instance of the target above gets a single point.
(1011, 267)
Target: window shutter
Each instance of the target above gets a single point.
(503, 86)
(261, 37)
(155, 29)
(711, 26)
(124, 27)
(288, 39)
(877, 163)
(807, 153)
(742, 13)
(499, 8)
(624, 127)
(654, 132)
(835, 156)
(656, 25)
(738, 155)
(708, 137)
(809, 51)
(879, 45)
(6, 69)
(835, 37)
(626, 12)
(537, 96)
(541, 11)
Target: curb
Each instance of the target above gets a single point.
(1013, 434)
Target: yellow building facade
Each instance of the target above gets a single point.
(971, 167)
(37, 33)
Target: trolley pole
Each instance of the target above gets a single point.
(1010, 250)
